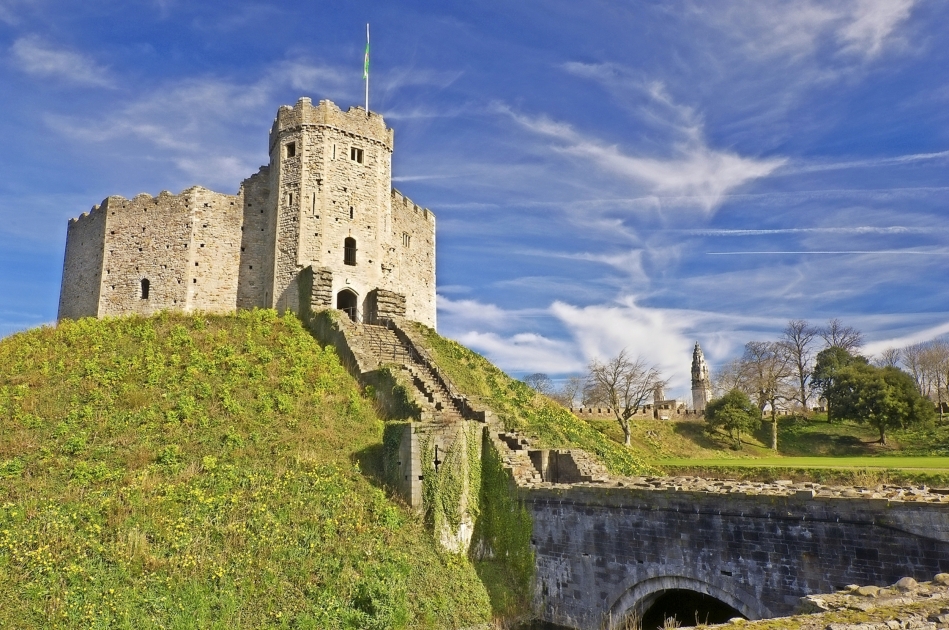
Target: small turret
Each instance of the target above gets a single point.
(701, 385)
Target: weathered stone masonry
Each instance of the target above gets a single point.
(603, 550)
(319, 227)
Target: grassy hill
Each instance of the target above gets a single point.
(183, 472)
(522, 409)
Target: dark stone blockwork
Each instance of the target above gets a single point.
(604, 551)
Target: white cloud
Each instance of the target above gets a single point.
(468, 312)
(39, 58)
(178, 122)
(658, 335)
(695, 175)
(870, 23)
(871, 163)
(797, 29)
(859, 229)
(525, 352)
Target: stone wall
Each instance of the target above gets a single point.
(257, 242)
(666, 411)
(604, 549)
(382, 304)
(409, 267)
(82, 265)
(186, 247)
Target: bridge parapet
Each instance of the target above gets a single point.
(610, 545)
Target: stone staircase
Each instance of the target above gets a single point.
(437, 403)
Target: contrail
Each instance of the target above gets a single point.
(832, 253)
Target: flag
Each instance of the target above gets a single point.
(365, 69)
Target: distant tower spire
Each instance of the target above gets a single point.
(701, 385)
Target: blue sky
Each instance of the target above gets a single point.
(605, 174)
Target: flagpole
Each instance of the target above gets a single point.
(367, 69)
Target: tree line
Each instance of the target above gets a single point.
(806, 364)
(822, 363)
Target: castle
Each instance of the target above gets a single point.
(319, 227)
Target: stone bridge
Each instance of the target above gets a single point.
(608, 548)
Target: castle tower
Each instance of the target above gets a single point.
(701, 385)
(334, 213)
(318, 227)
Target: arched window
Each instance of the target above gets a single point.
(145, 287)
(349, 251)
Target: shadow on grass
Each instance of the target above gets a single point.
(370, 461)
(798, 437)
(696, 433)
(502, 591)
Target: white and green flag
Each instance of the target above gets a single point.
(365, 69)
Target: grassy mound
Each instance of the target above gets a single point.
(520, 408)
(183, 472)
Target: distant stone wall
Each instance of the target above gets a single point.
(383, 304)
(667, 411)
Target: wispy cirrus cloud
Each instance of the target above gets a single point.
(857, 229)
(850, 252)
(802, 28)
(35, 56)
(694, 172)
(177, 122)
(870, 23)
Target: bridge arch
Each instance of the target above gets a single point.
(640, 597)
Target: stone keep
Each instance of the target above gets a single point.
(319, 227)
(701, 385)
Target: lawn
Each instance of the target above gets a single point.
(885, 462)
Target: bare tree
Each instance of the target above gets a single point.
(539, 382)
(767, 367)
(914, 359)
(730, 376)
(571, 390)
(626, 383)
(888, 358)
(935, 363)
(836, 335)
(796, 341)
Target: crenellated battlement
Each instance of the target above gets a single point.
(401, 201)
(354, 121)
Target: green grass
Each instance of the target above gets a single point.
(521, 409)
(204, 472)
(891, 462)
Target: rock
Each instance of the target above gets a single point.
(942, 579)
(906, 584)
(868, 591)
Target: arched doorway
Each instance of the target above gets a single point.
(686, 608)
(346, 300)
(654, 600)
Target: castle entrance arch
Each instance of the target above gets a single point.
(690, 601)
(346, 300)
